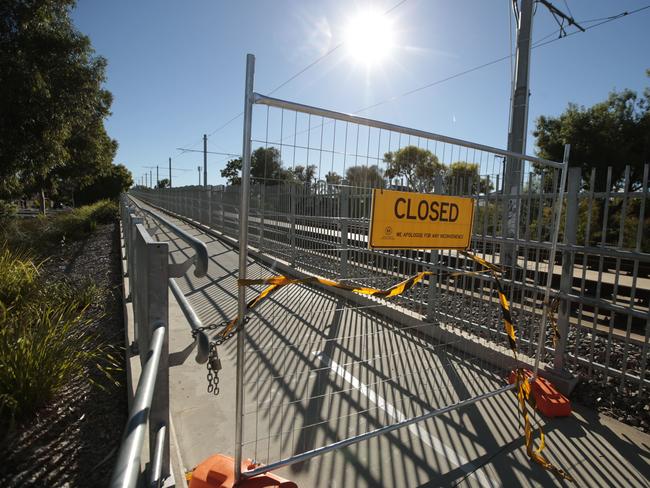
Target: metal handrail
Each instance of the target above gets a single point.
(201, 257)
(201, 338)
(127, 467)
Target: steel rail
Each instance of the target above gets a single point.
(377, 124)
(201, 338)
(201, 257)
(155, 480)
(127, 467)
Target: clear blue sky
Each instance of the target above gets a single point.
(176, 68)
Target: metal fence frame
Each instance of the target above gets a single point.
(202, 209)
(596, 248)
(572, 285)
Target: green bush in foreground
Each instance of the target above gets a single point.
(17, 275)
(45, 338)
(40, 234)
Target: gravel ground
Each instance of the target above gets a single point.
(73, 442)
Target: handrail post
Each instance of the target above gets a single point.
(158, 312)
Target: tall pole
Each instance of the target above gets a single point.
(243, 258)
(205, 160)
(157, 176)
(170, 172)
(517, 132)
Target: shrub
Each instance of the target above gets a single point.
(104, 211)
(7, 212)
(17, 275)
(40, 234)
(45, 337)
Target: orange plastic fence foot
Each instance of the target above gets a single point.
(548, 400)
(218, 471)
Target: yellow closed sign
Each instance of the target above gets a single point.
(408, 220)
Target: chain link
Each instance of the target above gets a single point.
(213, 365)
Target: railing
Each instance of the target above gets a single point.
(200, 262)
(127, 468)
(149, 273)
(603, 283)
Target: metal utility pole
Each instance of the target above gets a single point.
(519, 109)
(205, 160)
(157, 177)
(518, 129)
(170, 172)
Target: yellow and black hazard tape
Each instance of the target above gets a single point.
(276, 282)
(522, 385)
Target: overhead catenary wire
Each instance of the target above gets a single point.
(293, 77)
(535, 45)
(538, 43)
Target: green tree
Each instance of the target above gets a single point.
(116, 180)
(613, 133)
(52, 104)
(418, 166)
(305, 174)
(365, 176)
(462, 177)
(266, 168)
(164, 183)
(232, 171)
(333, 178)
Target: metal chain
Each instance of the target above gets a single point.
(213, 365)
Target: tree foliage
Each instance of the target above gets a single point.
(232, 171)
(266, 167)
(305, 174)
(365, 176)
(164, 183)
(333, 178)
(462, 177)
(108, 185)
(52, 104)
(419, 167)
(615, 132)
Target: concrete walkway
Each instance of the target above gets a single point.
(321, 369)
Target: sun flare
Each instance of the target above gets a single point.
(369, 37)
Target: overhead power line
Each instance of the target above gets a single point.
(185, 150)
(535, 45)
(294, 76)
(539, 43)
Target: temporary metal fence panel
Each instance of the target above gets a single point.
(602, 277)
(356, 363)
(320, 370)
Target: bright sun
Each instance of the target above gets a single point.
(369, 37)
